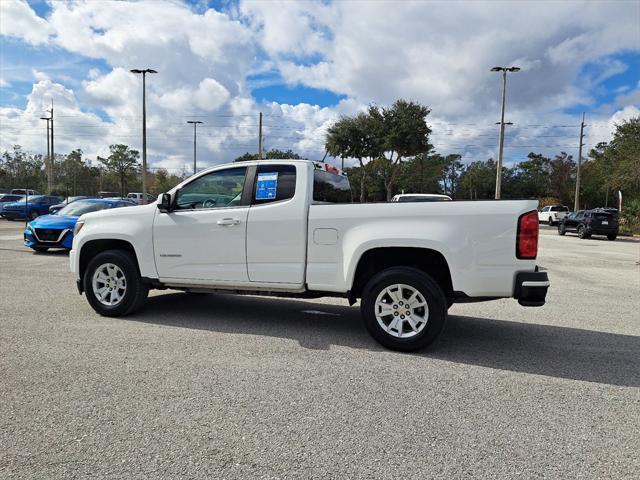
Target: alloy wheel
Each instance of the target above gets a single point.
(401, 310)
(109, 284)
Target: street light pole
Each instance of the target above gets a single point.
(504, 71)
(144, 129)
(195, 125)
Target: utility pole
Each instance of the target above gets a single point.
(576, 204)
(504, 71)
(195, 124)
(144, 130)
(260, 138)
(52, 158)
(48, 162)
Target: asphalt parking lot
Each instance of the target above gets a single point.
(219, 386)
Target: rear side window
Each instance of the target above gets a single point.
(274, 183)
(559, 209)
(330, 188)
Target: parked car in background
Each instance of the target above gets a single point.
(56, 231)
(23, 191)
(30, 208)
(132, 203)
(6, 198)
(105, 194)
(137, 197)
(553, 214)
(421, 197)
(590, 222)
(67, 201)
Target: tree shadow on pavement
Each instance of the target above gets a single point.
(553, 351)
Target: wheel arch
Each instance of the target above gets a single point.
(92, 248)
(427, 260)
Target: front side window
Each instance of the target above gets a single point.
(213, 190)
(274, 183)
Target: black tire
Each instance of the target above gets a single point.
(550, 222)
(41, 249)
(426, 286)
(582, 232)
(612, 236)
(136, 291)
(561, 229)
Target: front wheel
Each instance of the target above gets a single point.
(550, 222)
(562, 229)
(113, 285)
(404, 308)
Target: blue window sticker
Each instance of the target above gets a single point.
(267, 186)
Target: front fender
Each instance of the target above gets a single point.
(133, 226)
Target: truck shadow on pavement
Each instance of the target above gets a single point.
(553, 351)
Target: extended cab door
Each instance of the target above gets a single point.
(277, 224)
(203, 237)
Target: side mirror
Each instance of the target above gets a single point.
(164, 205)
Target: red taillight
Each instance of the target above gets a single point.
(527, 239)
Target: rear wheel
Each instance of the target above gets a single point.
(113, 285)
(562, 229)
(550, 222)
(404, 309)
(612, 236)
(582, 232)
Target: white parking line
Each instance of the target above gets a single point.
(10, 237)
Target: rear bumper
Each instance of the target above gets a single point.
(531, 288)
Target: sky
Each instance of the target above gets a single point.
(305, 64)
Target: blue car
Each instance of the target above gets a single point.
(32, 208)
(56, 231)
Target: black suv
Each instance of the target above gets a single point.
(599, 221)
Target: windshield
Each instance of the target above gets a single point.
(79, 207)
(11, 198)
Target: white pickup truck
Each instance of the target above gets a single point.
(289, 228)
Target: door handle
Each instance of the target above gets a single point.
(228, 222)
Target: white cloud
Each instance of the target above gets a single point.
(18, 20)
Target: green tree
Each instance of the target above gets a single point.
(421, 174)
(356, 137)
(122, 163)
(562, 170)
(163, 181)
(478, 181)
(19, 169)
(273, 154)
(405, 132)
